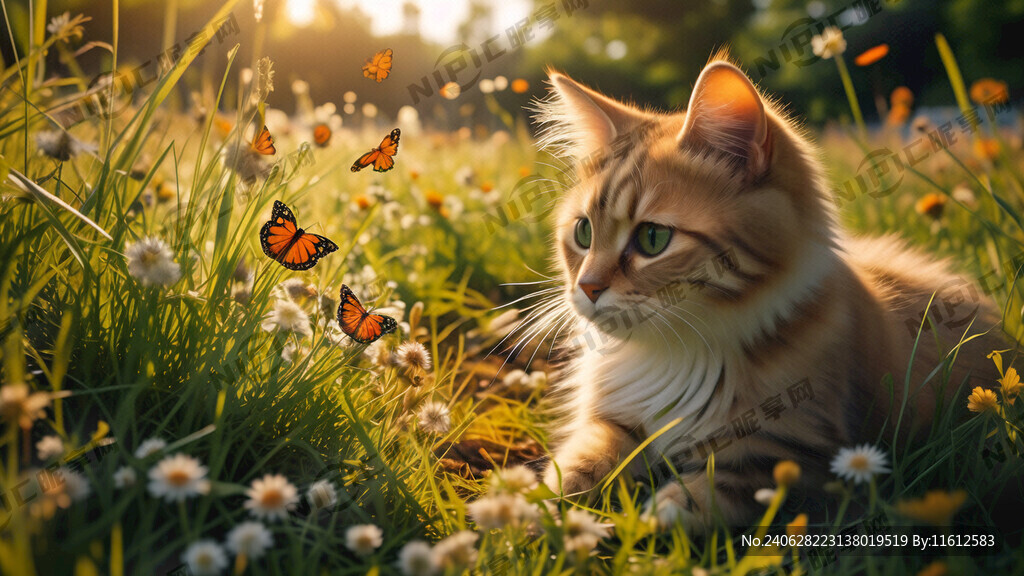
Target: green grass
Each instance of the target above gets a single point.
(191, 363)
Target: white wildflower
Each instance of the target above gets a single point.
(321, 494)
(124, 477)
(271, 497)
(49, 447)
(287, 316)
(435, 418)
(151, 261)
(150, 446)
(860, 463)
(178, 477)
(249, 538)
(829, 43)
(417, 559)
(363, 539)
(205, 558)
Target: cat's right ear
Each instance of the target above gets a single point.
(581, 122)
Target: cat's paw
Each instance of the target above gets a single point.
(578, 475)
(668, 508)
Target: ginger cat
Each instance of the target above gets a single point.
(705, 278)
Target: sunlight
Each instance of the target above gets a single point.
(439, 20)
(301, 13)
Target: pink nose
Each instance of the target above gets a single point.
(593, 291)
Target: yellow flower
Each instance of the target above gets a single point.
(787, 473)
(986, 148)
(989, 91)
(982, 400)
(937, 507)
(937, 568)
(1011, 385)
(931, 205)
(798, 527)
(435, 199)
(362, 202)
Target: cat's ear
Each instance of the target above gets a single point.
(727, 114)
(581, 122)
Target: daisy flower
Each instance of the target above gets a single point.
(205, 558)
(829, 43)
(178, 477)
(859, 464)
(152, 263)
(271, 497)
(49, 447)
(435, 418)
(581, 531)
(251, 539)
(457, 551)
(287, 316)
(413, 355)
(516, 478)
(124, 477)
(149, 447)
(500, 511)
(363, 539)
(417, 559)
(18, 404)
(321, 494)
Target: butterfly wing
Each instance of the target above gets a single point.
(357, 323)
(365, 160)
(321, 135)
(289, 245)
(263, 143)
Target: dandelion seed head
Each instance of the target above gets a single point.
(829, 43)
(435, 418)
(152, 263)
(413, 355)
(287, 316)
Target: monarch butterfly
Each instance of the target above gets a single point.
(380, 157)
(289, 245)
(263, 142)
(321, 134)
(378, 67)
(362, 326)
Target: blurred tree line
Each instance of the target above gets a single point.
(649, 52)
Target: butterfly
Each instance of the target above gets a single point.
(378, 67)
(289, 245)
(362, 326)
(263, 142)
(381, 157)
(321, 134)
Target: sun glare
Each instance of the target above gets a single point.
(301, 13)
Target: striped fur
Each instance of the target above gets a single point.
(799, 301)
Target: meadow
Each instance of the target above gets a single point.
(173, 401)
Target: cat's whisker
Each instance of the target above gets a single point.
(554, 324)
(692, 327)
(535, 294)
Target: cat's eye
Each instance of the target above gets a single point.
(583, 233)
(652, 239)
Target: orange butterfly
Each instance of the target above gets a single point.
(380, 157)
(289, 245)
(378, 67)
(263, 142)
(321, 134)
(360, 325)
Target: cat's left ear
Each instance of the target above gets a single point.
(726, 114)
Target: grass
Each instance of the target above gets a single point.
(192, 363)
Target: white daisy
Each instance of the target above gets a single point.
(417, 559)
(412, 354)
(363, 539)
(152, 263)
(860, 463)
(829, 43)
(502, 510)
(457, 551)
(271, 497)
(149, 447)
(581, 531)
(249, 538)
(205, 558)
(435, 418)
(76, 486)
(178, 477)
(764, 496)
(516, 478)
(287, 316)
(49, 447)
(124, 477)
(321, 494)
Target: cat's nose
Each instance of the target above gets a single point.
(593, 290)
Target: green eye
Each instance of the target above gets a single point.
(652, 238)
(583, 233)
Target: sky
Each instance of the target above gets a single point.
(439, 19)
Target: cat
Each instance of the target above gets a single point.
(706, 278)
